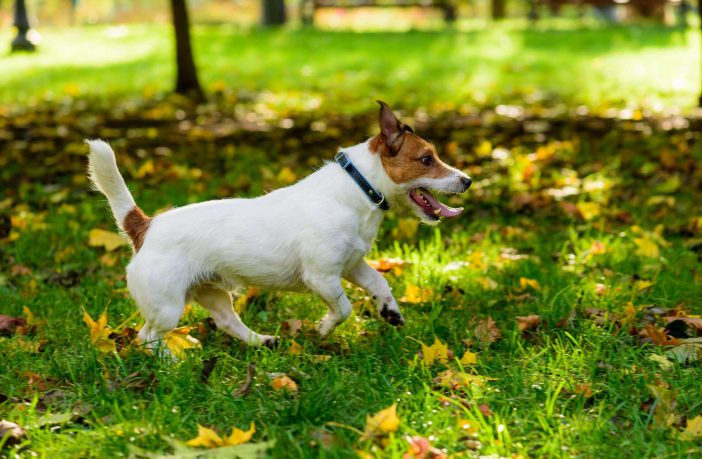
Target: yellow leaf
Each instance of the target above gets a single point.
(487, 283)
(647, 247)
(107, 239)
(146, 169)
(178, 341)
(295, 349)
(385, 265)
(693, 429)
(533, 283)
(29, 317)
(456, 380)
(414, 294)
(468, 427)
(206, 438)
(286, 175)
(436, 352)
(469, 358)
(382, 422)
(238, 436)
(589, 210)
(99, 332)
(284, 383)
(643, 284)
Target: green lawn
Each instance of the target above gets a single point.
(599, 214)
(629, 66)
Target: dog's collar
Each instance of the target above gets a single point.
(375, 196)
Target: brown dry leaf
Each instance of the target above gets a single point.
(583, 389)
(529, 322)
(107, 239)
(291, 327)
(284, 383)
(35, 380)
(486, 331)
(9, 324)
(11, 433)
(385, 265)
(658, 336)
(485, 410)
(420, 448)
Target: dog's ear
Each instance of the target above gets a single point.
(391, 128)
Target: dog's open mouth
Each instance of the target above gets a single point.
(431, 206)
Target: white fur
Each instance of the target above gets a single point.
(103, 173)
(303, 237)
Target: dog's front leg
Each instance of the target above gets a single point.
(371, 280)
(329, 288)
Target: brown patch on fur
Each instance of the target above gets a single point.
(406, 164)
(136, 223)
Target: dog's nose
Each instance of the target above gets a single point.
(466, 182)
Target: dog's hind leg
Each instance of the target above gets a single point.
(219, 303)
(329, 288)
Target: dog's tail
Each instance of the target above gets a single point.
(105, 176)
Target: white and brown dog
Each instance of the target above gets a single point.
(307, 236)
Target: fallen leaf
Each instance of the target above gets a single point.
(486, 331)
(382, 423)
(11, 433)
(295, 349)
(658, 336)
(179, 340)
(583, 389)
(100, 332)
(420, 448)
(9, 324)
(685, 353)
(469, 358)
(485, 410)
(457, 379)
(529, 322)
(107, 239)
(437, 352)
(467, 427)
(385, 265)
(647, 247)
(693, 430)
(414, 294)
(243, 300)
(663, 362)
(208, 438)
(284, 383)
(663, 414)
(525, 283)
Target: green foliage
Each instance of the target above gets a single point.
(635, 66)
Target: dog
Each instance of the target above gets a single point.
(304, 237)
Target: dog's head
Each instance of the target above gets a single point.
(415, 169)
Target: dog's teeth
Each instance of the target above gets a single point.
(437, 212)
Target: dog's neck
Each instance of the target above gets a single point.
(370, 165)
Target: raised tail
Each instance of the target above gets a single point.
(105, 176)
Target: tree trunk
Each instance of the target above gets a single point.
(699, 10)
(497, 8)
(273, 12)
(186, 80)
(21, 42)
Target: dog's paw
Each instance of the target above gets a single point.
(392, 316)
(271, 342)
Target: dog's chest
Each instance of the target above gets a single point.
(367, 232)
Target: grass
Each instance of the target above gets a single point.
(630, 185)
(649, 67)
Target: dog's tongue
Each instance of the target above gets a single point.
(444, 210)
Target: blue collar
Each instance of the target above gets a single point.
(375, 196)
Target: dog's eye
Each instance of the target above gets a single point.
(427, 160)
